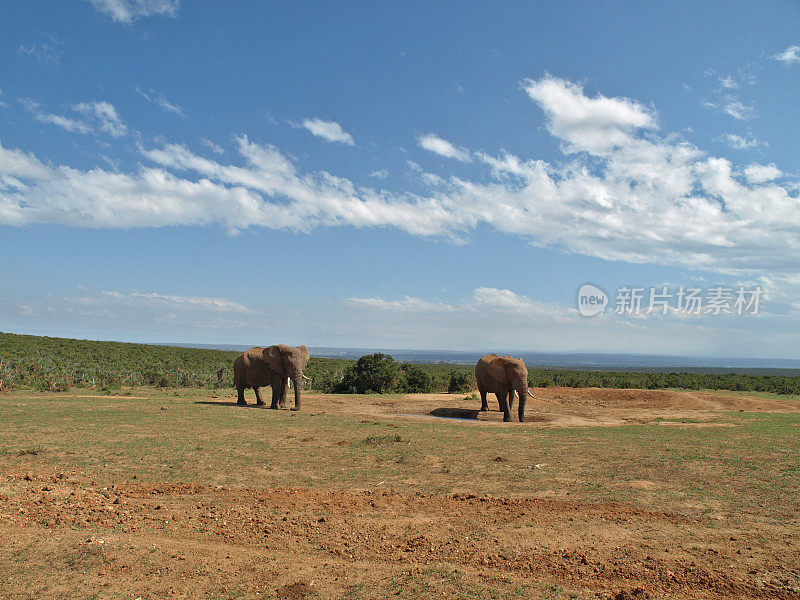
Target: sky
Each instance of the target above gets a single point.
(422, 175)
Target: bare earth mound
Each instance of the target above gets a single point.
(564, 407)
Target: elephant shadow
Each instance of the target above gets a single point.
(455, 413)
(230, 403)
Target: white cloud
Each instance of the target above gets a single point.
(379, 174)
(159, 100)
(502, 299)
(96, 116)
(188, 302)
(731, 81)
(328, 130)
(790, 56)
(739, 142)
(629, 195)
(72, 125)
(739, 110)
(407, 304)
(127, 11)
(484, 300)
(596, 125)
(755, 173)
(105, 115)
(433, 143)
(216, 148)
(732, 107)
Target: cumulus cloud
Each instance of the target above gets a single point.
(596, 125)
(624, 193)
(433, 143)
(91, 118)
(755, 173)
(790, 56)
(379, 174)
(328, 130)
(127, 11)
(159, 100)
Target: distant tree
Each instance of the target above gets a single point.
(417, 380)
(374, 373)
(461, 381)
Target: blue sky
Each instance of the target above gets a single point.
(418, 175)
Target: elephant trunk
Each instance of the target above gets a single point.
(297, 382)
(523, 396)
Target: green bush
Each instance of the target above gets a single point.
(417, 380)
(372, 374)
(461, 381)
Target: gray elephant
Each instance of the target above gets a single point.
(273, 366)
(502, 376)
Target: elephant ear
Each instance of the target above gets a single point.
(512, 366)
(274, 357)
(306, 355)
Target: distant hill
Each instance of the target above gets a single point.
(577, 360)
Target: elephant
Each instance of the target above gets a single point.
(502, 376)
(273, 366)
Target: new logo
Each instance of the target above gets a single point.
(591, 300)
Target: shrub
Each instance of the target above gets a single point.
(372, 374)
(461, 381)
(417, 380)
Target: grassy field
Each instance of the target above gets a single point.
(184, 435)
(693, 482)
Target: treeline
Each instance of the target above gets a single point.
(58, 364)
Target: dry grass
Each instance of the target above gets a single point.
(724, 470)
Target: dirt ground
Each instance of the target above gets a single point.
(92, 533)
(563, 407)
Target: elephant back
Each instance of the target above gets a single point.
(253, 357)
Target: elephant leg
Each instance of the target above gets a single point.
(276, 396)
(502, 399)
(297, 385)
(282, 387)
(259, 401)
(484, 404)
(240, 394)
